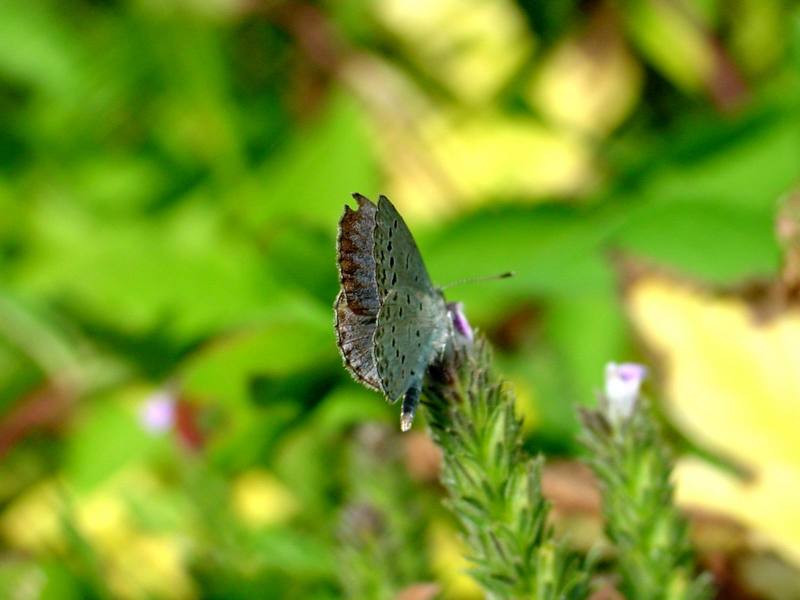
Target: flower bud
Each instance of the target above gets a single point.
(622, 389)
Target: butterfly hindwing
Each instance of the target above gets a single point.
(411, 330)
(354, 335)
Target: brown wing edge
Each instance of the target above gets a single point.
(354, 255)
(354, 337)
(357, 304)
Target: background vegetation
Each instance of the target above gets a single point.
(175, 421)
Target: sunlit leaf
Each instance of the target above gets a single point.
(185, 275)
(471, 47)
(732, 386)
(590, 81)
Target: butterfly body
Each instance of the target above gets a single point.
(391, 322)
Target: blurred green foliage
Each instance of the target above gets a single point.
(171, 175)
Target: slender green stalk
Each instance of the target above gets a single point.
(654, 554)
(494, 486)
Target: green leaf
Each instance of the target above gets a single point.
(47, 581)
(185, 275)
(107, 438)
(314, 176)
(35, 48)
(294, 552)
(744, 165)
(585, 332)
(552, 249)
(711, 241)
(349, 405)
(279, 347)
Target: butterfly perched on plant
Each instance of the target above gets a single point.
(391, 322)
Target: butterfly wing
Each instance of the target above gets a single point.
(356, 306)
(354, 336)
(354, 253)
(412, 328)
(390, 320)
(398, 262)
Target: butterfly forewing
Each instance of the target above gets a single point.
(398, 262)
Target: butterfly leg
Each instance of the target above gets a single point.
(409, 407)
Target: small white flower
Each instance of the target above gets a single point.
(622, 389)
(157, 413)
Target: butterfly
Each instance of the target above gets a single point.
(391, 322)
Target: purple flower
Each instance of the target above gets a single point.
(157, 413)
(460, 323)
(622, 389)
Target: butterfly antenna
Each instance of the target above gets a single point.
(505, 275)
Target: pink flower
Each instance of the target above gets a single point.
(460, 323)
(157, 413)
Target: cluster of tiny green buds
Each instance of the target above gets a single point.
(633, 464)
(494, 485)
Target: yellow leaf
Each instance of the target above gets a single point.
(491, 155)
(33, 521)
(733, 386)
(151, 565)
(260, 499)
(589, 83)
(449, 564)
(471, 46)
